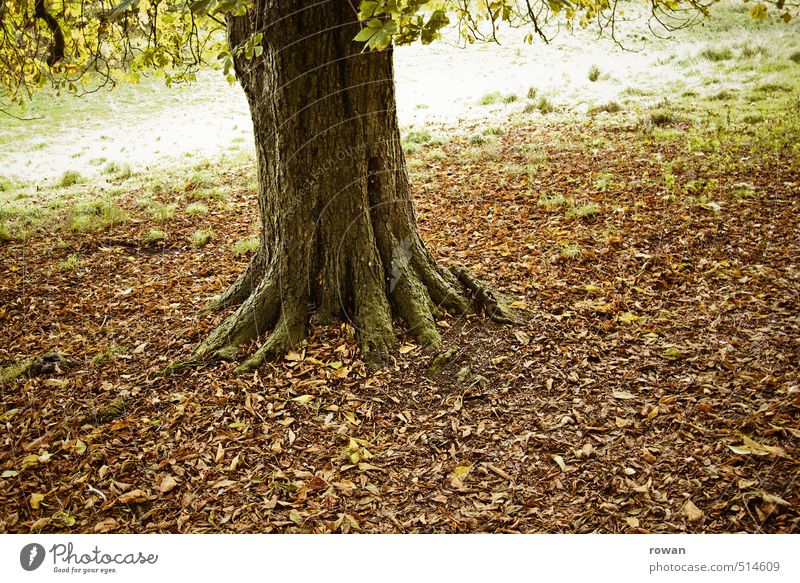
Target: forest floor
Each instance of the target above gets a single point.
(654, 385)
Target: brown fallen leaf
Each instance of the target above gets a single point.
(692, 512)
(168, 484)
(106, 525)
(133, 497)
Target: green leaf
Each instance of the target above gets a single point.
(9, 474)
(202, 7)
(121, 8)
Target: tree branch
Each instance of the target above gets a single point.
(57, 53)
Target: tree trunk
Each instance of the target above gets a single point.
(339, 238)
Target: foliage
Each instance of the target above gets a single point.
(81, 45)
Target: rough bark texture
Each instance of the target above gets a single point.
(339, 233)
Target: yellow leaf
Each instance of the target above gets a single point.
(460, 472)
(628, 318)
(758, 12)
(560, 461)
(293, 356)
(632, 521)
(303, 399)
(406, 348)
(36, 499)
(30, 460)
(750, 447)
(79, 447)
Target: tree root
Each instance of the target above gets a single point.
(253, 318)
(484, 298)
(242, 288)
(288, 332)
(418, 290)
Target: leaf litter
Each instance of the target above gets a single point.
(653, 387)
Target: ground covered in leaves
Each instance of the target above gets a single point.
(653, 387)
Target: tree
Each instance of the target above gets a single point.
(339, 236)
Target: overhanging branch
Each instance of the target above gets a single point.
(57, 53)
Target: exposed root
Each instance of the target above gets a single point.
(414, 305)
(442, 287)
(254, 317)
(485, 299)
(288, 333)
(243, 287)
(372, 314)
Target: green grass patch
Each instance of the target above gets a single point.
(583, 211)
(553, 201)
(96, 215)
(197, 208)
(422, 136)
(202, 237)
(161, 212)
(154, 236)
(716, 54)
(246, 246)
(71, 263)
(70, 178)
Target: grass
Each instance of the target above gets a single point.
(201, 238)
(246, 246)
(571, 251)
(120, 172)
(610, 107)
(583, 211)
(70, 178)
(71, 263)
(543, 106)
(96, 215)
(594, 73)
(662, 116)
(477, 139)
(490, 98)
(496, 97)
(795, 57)
(717, 54)
(422, 136)
(154, 236)
(197, 208)
(604, 181)
(161, 212)
(553, 201)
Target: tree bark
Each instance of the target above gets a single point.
(339, 236)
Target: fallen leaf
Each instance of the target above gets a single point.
(167, 485)
(692, 512)
(36, 500)
(133, 497)
(106, 525)
(560, 461)
(623, 395)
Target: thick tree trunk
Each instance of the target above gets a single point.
(339, 235)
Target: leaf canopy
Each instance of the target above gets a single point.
(81, 45)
